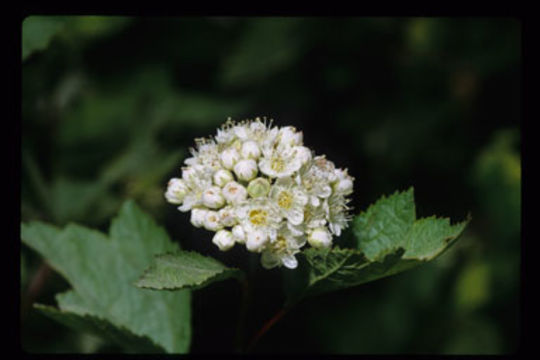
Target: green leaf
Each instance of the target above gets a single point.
(37, 32)
(391, 223)
(185, 270)
(389, 240)
(102, 271)
(101, 327)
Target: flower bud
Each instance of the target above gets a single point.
(229, 157)
(176, 191)
(239, 234)
(226, 216)
(289, 136)
(256, 240)
(258, 187)
(211, 221)
(344, 186)
(234, 193)
(343, 183)
(320, 238)
(198, 216)
(212, 198)
(188, 173)
(250, 150)
(222, 177)
(223, 239)
(246, 169)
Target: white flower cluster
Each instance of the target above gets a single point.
(257, 185)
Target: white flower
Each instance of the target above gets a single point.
(212, 198)
(224, 240)
(320, 238)
(222, 177)
(234, 193)
(198, 217)
(280, 162)
(246, 169)
(197, 179)
(176, 191)
(258, 185)
(259, 215)
(227, 216)
(290, 199)
(282, 251)
(206, 154)
(256, 239)
(336, 213)
(211, 221)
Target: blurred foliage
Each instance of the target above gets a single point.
(111, 105)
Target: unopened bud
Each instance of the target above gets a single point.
(222, 177)
(250, 150)
(258, 187)
(320, 238)
(229, 157)
(211, 221)
(176, 191)
(224, 240)
(234, 193)
(198, 216)
(212, 198)
(246, 169)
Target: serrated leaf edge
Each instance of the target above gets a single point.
(236, 273)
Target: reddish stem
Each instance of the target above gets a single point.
(34, 288)
(277, 316)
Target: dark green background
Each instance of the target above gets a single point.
(110, 106)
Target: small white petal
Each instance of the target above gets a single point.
(289, 261)
(189, 202)
(239, 234)
(296, 215)
(256, 240)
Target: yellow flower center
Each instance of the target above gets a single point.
(284, 199)
(258, 216)
(277, 164)
(279, 245)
